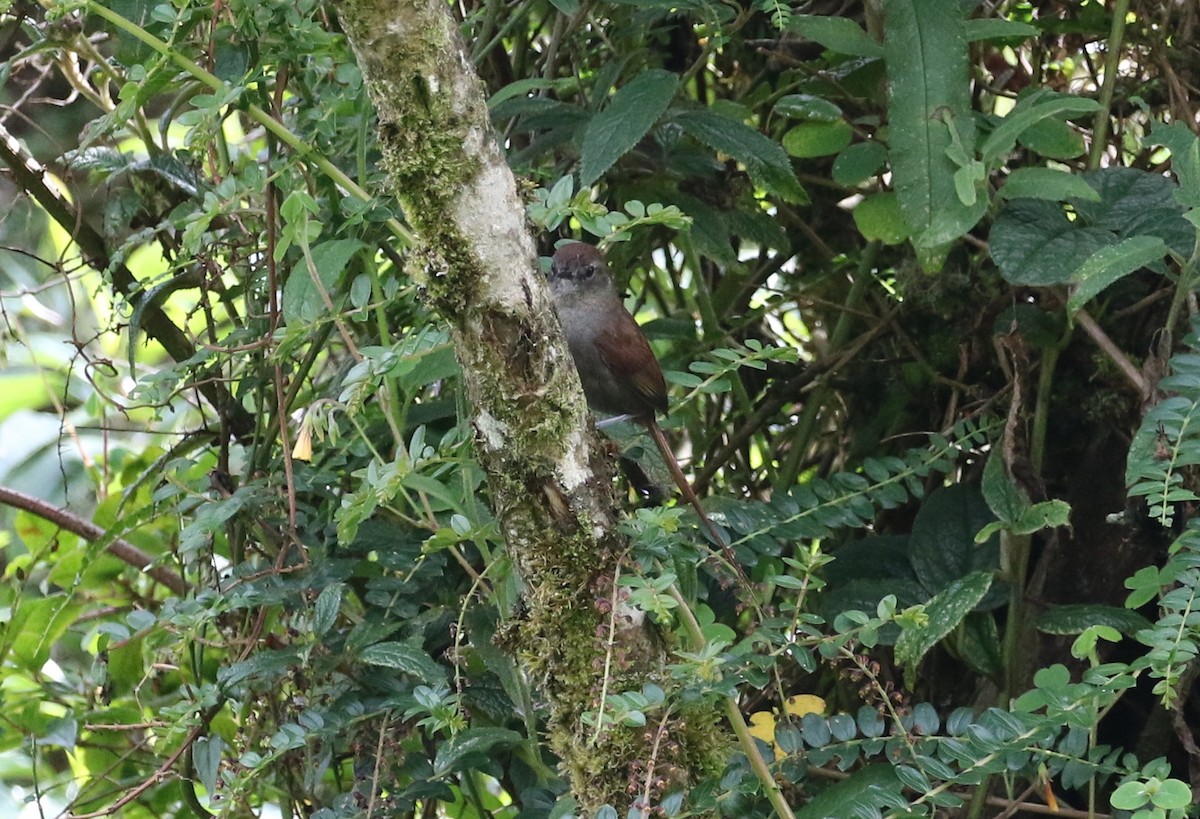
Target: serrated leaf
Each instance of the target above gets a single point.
(1075, 618)
(1035, 242)
(329, 602)
(627, 118)
(408, 658)
(764, 159)
(942, 545)
(472, 741)
(1110, 264)
(944, 612)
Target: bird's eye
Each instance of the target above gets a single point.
(589, 271)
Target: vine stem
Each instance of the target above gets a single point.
(734, 715)
(256, 113)
(1112, 62)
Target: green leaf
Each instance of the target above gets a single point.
(809, 139)
(1185, 159)
(1006, 500)
(1030, 110)
(1047, 183)
(1044, 515)
(1053, 139)
(302, 301)
(61, 732)
(408, 658)
(1130, 796)
(206, 759)
(1112, 263)
(942, 545)
(809, 107)
(329, 602)
(1033, 242)
(472, 741)
(928, 95)
(764, 159)
(979, 644)
(840, 34)
(944, 612)
(1037, 243)
(862, 794)
(859, 162)
(519, 89)
(1172, 794)
(627, 118)
(878, 218)
(1073, 619)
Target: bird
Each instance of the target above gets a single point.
(620, 375)
(618, 370)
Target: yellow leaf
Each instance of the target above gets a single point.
(762, 726)
(802, 704)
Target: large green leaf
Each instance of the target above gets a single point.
(1109, 264)
(928, 100)
(1029, 111)
(303, 301)
(942, 545)
(765, 161)
(1047, 183)
(1073, 619)
(840, 34)
(628, 117)
(409, 658)
(472, 741)
(1038, 243)
(944, 612)
(863, 794)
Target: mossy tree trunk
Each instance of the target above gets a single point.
(550, 487)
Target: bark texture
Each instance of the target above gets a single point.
(551, 489)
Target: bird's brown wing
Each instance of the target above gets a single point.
(624, 348)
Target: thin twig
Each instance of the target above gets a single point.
(1106, 345)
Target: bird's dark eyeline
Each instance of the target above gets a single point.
(619, 372)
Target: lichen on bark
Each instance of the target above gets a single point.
(551, 490)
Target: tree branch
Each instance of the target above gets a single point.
(550, 488)
(121, 549)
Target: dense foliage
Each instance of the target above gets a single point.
(920, 273)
